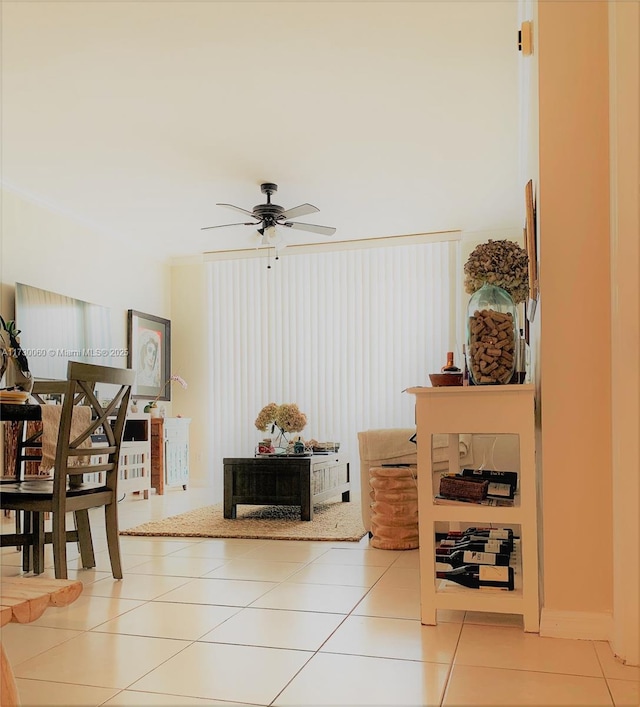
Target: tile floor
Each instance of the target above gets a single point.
(255, 622)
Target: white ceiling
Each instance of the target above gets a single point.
(137, 117)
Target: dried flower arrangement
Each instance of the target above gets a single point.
(287, 417)
(501, 263)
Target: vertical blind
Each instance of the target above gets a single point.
(341, 334)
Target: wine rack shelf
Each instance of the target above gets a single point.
(482, 410)
(453, 596)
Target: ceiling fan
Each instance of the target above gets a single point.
(268, 216)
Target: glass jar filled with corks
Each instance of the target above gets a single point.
(492, 326)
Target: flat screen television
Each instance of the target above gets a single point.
(56, 329)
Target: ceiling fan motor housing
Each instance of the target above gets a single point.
(267, 212)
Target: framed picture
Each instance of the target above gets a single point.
(149, 354)
(530, 241)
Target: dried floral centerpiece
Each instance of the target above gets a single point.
(285, 418)
(501, 263)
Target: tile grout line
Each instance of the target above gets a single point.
(453, 658)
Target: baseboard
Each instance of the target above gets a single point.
(586, 625)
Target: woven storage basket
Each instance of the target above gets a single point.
(394, 511)
(463, 488)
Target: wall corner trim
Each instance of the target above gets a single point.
(586, 625)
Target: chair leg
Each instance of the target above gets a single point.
(113, 538)
(37, 527)
(28, 548)
(19, 523)
(84, 538)
(59, 538)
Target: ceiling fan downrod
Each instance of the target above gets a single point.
(268, 188)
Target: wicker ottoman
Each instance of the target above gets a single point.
(394, 507)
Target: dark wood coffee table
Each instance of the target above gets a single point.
(291, 480)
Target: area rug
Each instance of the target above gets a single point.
(331, 521)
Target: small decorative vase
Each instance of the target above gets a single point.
(13, 362)
(492, 323)
(15, 377)
(155, 412)
(281, 441)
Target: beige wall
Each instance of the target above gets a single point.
(52, 251)
(575, 340)
(191, 358)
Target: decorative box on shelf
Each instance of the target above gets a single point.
(465, 489)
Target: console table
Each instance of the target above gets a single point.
(286, 480)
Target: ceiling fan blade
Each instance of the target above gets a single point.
(323, 230)
(224, 225)
(302, 210)
(237, 208)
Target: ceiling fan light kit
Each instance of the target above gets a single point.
(268, 216)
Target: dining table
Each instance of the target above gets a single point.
(19, 412)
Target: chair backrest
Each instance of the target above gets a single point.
(29, 434)
(74, 451)
(42, 388)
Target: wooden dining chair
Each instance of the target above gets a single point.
(67, 491)
(29, 453)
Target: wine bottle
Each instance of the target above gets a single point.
(480, 577)
(465, 374)
(494, 546)
(493, 533)
(459, 558)
(450, 366)
(480, 537)
(459, 542)
(453, 541)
